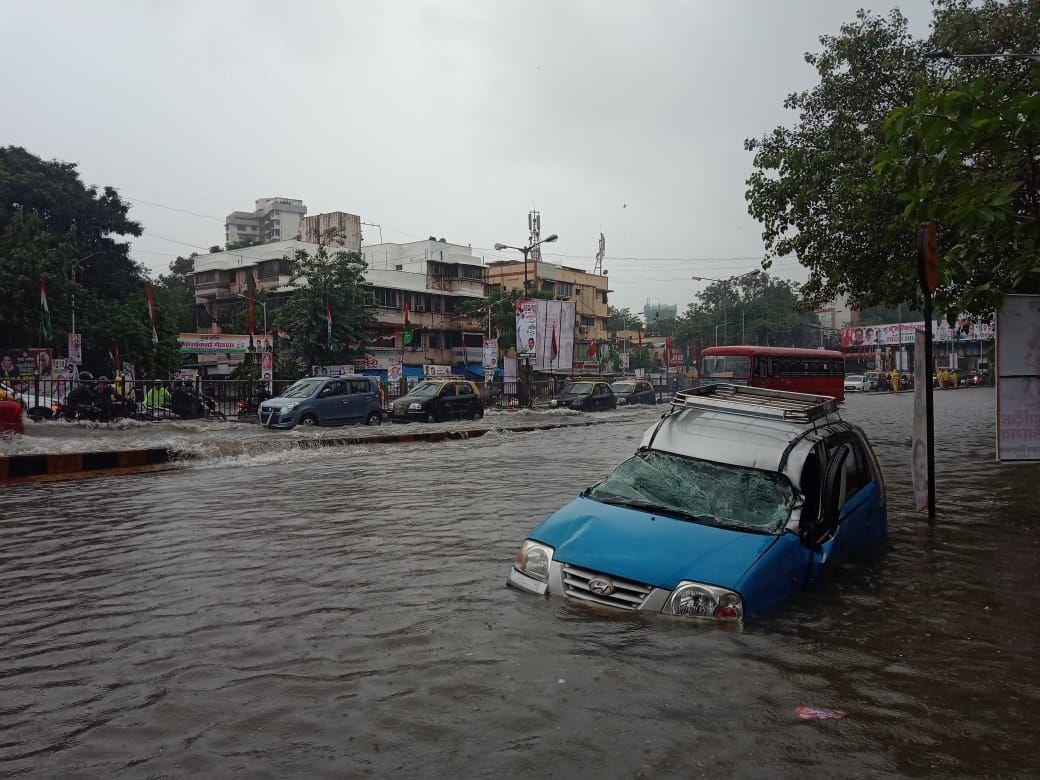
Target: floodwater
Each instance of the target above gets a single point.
(342, 613)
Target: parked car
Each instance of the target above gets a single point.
(875, 378)
(633, 391)
(350, 398)
(438, 399)
(857, 383)
(585, 396)
(738, 498)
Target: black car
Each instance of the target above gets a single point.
(634, 391)
(437, 400)
(585, 396)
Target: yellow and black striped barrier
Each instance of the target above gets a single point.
(14, 468)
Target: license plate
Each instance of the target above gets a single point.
(398, 412)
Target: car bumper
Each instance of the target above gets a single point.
(406, 415)
(278, 420)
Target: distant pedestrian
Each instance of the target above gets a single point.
(943, 376)
(895, 381)
(956, 379)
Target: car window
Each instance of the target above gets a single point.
(625, 387)
(464, 389)
(447, 391)
(359, 386)
(602, 390)
(577, 388)
(700, 491)
(857, 467)
(302, 389)
(333, 389)
(425, 390)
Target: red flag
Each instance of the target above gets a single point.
(151, 310)
(592, 349)
(668, 349)
(555, 347)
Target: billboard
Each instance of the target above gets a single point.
(436, 371)
(526, 328)
(210, 343)
(554, 317)
(1018, 379)
(26, 363)
(903, 333)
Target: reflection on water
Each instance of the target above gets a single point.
(342, 612)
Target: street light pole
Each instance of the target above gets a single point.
(727, 282)
(526, 251)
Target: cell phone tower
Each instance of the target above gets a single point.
(598, 268)
(534, 224)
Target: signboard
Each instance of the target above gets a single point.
(919, 439)
(188, 374)
(526, 328)
(436, 371)
(1018, 379)
(394, 368)
(624, 361)
(319, 371)
(76, 349)
(489, 375)
(267, 366)
(209, 343)
(894, 334)
(639, 373)
(490, 353)
(554, 317)
(26, 363)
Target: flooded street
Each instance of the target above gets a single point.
(343, 612)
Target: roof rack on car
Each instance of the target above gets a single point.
(757, 402)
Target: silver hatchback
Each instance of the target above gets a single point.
(341, 400)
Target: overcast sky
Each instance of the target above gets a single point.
(447, 119)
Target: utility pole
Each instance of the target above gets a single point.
(927, 273)
(534, 225)
(600, 253)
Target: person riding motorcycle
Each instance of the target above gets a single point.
(105, 399)
(80, 400)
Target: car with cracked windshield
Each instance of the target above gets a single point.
(317, 400)
(737, 499)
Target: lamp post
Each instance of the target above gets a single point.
(526, 251)
(75, 265)
(727, 282)
(262, 303)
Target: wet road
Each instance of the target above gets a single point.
(342, 613)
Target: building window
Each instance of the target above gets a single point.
(604, 298)
(564, 289)
(472, 272)
(473, 340)
(588, 322)
(384, 297)
(494, 289)
(549, 287)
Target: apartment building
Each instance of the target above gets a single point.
(588, 291)
(273, 219)
(432, 290)
(347, 229)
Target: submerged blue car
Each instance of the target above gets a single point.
(737, 499)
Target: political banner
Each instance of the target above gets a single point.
(919, 439)
(554, 320)
(1018, 379)
(903, 333)
(489, 375)
(267, 366)
(26, 363)
(624, 361)
(76, 349)
(490, 353)
(526, 328)
(394, 368)
(430, 371)
(211, 343)
(639, 373)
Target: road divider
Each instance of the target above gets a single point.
(39, 467)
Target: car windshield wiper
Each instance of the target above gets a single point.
(649, 506)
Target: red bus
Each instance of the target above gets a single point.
(818, 371)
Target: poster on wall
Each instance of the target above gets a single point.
(554, 320)
(490, 353)
(526, 328)
(436, 371)
(624, 361)
(76, 349)
(267, 366)
(394, 368)
(1018, 379)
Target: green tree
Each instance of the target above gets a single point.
(51, 225)
(175, 293)
(622, 319)
(326, 278)
(815, 187)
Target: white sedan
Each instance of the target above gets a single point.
(856, 383)
(41, 407)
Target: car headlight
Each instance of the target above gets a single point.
(554, 402)
(534, 559)
(622, 401)
(390, 406)
(415, 407)
(290, 406)
(695, 599)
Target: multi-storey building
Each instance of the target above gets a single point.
(346, 227)
(659, 311)
(274, 219)
(588, 291)
(431, 289)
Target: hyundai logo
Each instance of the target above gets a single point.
(601, 586)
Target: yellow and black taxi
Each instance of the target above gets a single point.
(585, 395)
(438, 399)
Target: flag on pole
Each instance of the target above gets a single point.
(47, 331)
(150, 296)
(328, 320)
(592, 349)
(407, 337)
(113, 354)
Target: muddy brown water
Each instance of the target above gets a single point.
(343, 613)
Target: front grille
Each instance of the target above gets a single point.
(626, 594)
